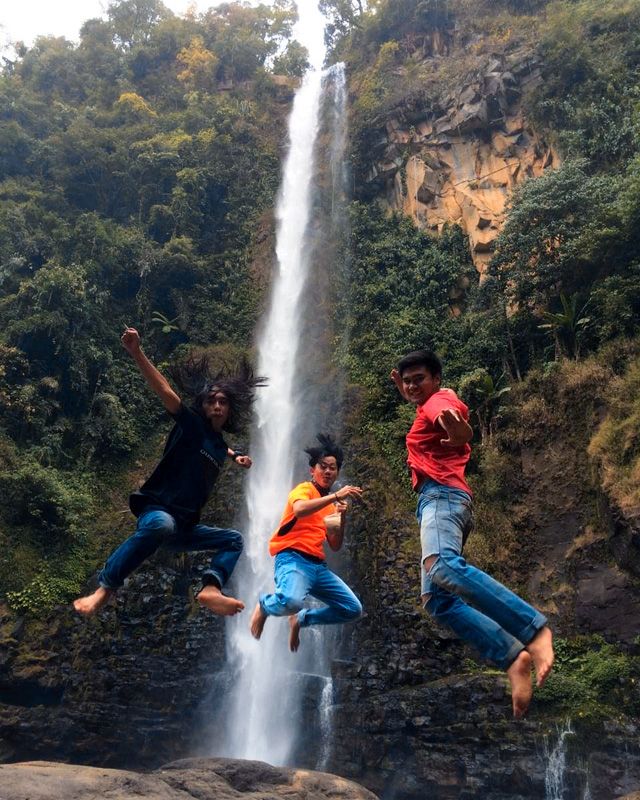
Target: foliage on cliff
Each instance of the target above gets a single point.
(134, 170)
(544, 349)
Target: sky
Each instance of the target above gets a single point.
(23, 20)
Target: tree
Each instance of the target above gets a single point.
(565, 326)
(557, 230)
(132, 21)
(484, 396)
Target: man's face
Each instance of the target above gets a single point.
(216, 409)
(325, 472)
(419, 384)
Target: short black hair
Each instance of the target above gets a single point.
(328, 447)
(421, 358)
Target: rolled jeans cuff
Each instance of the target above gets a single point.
(104, 584)
(536, 625)
(514, 651)
(302, 615)
(211, 577)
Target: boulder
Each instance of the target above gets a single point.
(201, 778)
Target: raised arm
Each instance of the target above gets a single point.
(397, 379)
(157, 382)
(302, 508)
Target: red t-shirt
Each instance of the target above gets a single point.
(427, 457)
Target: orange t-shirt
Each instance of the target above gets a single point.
(306, 534)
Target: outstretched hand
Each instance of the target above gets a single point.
(244, 461)
(130, 340)
(458, 430)
(345, 492)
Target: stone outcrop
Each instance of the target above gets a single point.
(199, 779)
(127, 688)
(458, 160)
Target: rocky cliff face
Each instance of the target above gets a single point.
(458, 160)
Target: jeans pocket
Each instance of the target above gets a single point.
(430, 496)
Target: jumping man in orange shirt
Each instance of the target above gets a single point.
(297, 544)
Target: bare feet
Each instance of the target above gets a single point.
(87, 606)
(258, 618)
(519, 674)
(294, 633)
(541, 650)
(212, 598)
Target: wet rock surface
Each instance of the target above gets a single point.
(123, 688)
(204, 779)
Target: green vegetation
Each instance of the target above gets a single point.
(135, 169)
(615, 446)
(591, 679)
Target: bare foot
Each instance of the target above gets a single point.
(87, 606)
(541, 650)
(212, 598)
(519, 674)
(258, 618)
(294, 633)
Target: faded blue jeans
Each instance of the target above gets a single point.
(158, 528)
(297, 577)
(476, 607)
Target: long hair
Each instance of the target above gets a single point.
(197, 377)
(327, 447)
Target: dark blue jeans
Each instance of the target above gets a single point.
(157, 528)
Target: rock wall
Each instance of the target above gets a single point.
(458, 160)
(126, 688)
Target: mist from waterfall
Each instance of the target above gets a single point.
(269, 686)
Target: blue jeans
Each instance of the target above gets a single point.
(157, 527)
(498, 623)
(297, 577)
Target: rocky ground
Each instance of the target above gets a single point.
(197, 779)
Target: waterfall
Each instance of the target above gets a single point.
(326, 719)
(271, 691)
(556, 765)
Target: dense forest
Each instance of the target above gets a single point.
(138, 170)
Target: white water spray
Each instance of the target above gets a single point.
(557, 764)
(265, 708)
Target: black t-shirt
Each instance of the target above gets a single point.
(182, 482)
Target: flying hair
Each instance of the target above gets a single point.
(327, 447)
(197, 378)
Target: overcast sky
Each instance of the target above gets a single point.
(23, 20)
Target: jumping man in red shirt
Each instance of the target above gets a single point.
(483, 612)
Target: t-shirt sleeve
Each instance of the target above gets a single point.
(301, 492)
(439, 402)
(189, 422)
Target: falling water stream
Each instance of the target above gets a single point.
(272, 690)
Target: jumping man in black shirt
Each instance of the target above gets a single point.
(168, 505)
